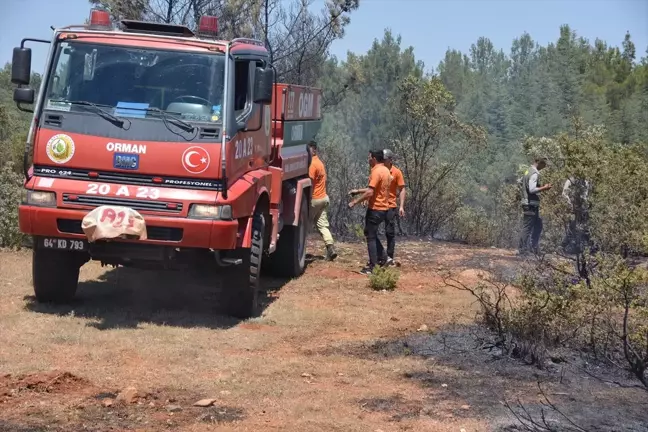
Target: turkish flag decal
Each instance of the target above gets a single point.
(195, 160)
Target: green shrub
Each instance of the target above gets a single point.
(10, 191)
(471, 226)
(383, 278)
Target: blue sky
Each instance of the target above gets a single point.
(431, 26)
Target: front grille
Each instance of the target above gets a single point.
(96, 201)
(72, 226)
(129, 178)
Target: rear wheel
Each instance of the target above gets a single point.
(243, 292)
(289, 259)
(55, 275)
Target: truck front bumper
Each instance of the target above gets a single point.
(178, 232)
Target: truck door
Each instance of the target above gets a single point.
(250, 147)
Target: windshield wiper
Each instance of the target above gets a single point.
(101, 112)
(172, 119)
(168, 118)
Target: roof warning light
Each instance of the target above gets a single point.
(100, 19)
(208, 26)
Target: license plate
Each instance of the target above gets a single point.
(64, 244)
(126, 161)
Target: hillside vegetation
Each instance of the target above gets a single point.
(458, 130)
(464, 131)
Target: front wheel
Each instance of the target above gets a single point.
(55, 275)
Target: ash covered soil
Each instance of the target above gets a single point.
(139, 349)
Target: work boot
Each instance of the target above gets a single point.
(367, 270)
(330, 253)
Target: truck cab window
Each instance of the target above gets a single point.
(59, 79)
(256, 117)
(241, 86)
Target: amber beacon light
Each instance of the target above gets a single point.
(100, 19)
(208, 26)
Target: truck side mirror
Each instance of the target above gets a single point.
(21, 66)
(24, 95)
(263, 85)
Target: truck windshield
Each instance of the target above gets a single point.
(137, 82)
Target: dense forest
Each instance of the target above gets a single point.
(457, 186)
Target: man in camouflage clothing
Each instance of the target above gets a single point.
(531, 187)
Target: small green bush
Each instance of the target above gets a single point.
(383, 278)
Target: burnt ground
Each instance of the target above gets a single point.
(328, 354)
(464, 363)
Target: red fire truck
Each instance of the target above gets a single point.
(152, 145)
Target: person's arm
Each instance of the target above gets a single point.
(353, 192)
(367, 192)
(365, 195)
(533, 184)
(401, 195)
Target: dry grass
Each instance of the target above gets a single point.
(164, 334)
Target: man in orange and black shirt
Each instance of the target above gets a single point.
(396, 209)
(377, 195)
(320, 200)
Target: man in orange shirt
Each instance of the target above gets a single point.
(377, 195)
(320, 200)
(396, 190)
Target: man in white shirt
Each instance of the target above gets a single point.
(531, 187)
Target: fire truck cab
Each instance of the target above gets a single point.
(154, 146)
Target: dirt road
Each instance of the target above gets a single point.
(328, 354)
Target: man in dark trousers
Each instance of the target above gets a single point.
(395, 212)
(377, 195)
(531, 188)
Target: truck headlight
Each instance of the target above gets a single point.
(39, 198)
(206, 211)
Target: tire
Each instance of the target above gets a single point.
(289, 259)
(243, 293)
(55, 275)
